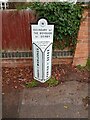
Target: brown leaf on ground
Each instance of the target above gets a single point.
(15, 78)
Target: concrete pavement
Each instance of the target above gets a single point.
(62, 101)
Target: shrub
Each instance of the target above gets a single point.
(66, 18)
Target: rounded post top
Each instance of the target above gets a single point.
(42, 22)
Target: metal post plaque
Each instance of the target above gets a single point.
(42, 39)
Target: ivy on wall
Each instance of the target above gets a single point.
(66, 17)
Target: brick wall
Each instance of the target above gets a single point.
(29, 62)
(82, 47)
(89, 31)
(0, 30)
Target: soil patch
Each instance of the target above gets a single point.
(16, 77)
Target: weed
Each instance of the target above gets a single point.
(52, 82)
(80, 67)
(31, 84)
(87, 67)
(88, 64)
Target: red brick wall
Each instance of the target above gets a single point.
(29, 62)
(0, 30)
(82, 47)
(89, 31)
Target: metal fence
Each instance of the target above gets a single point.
(28, 54)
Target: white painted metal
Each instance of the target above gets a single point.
(42, 39)
(3, 4)
(71, 1)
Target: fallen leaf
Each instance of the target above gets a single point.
(15, 87)
(3, 93)
(65, 106)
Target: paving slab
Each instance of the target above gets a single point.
(10, 104)
(62, 101)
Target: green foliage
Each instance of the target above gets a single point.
(66, 18)
(88, 64)
(31, 84)
(52, 82)
(81, 67)
(64, 15)
(87, 67)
